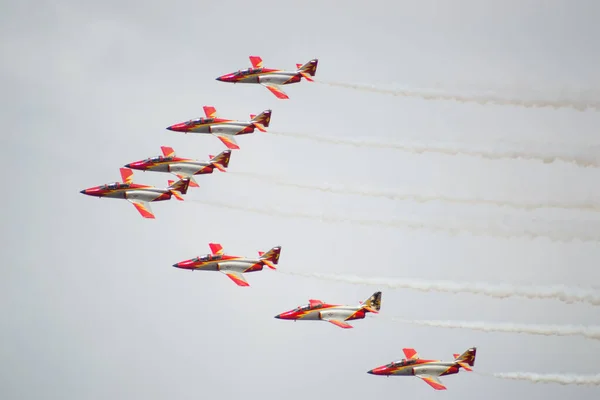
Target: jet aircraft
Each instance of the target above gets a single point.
(225, 129)
(272, 78)
(232, 266)
(182, 167)
(139, 195)
(427, 370)
(316, 310)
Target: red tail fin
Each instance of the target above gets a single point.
(271, 257)
(262, 120)
(221, 161)
(309, 69)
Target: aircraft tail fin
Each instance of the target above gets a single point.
(373, 303)
(271, 257)
(179, 188)
(221, 160)
(467, 359)
(262, 120)
(309, 69)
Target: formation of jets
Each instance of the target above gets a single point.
(185, 169)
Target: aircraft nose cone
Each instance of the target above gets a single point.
(127, 165)
(82, 191)
(370, 372)
(169, 128)
(277, 316)
(176, 265)
(219, 79)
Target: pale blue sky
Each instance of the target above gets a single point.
(91, 305)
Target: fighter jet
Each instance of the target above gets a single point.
(232, 266)
(316, 310)
(272, 78)
(225, 129)
(427, 370)
(139, 195)
(182, 167)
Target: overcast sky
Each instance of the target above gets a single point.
(91, 307)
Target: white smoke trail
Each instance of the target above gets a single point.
(482, 99)
(562, 379)
(590, 332)
(501, 291)
(449, 227)
(393, 195)
(590, 160)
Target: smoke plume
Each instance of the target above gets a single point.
(592, 159)
(562, 379)
(482, 99)
(394, 195)
(501, 291)
(590, 332)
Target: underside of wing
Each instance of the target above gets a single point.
(183, 175)
(143, 207)
(228, 140)
(276, 90)
(339, 323)
(237, 277)
(432, 381)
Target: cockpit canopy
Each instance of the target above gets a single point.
(158, 159)
(248, 71)
(209, 257)
(309, 307)
(199, 120)
(115, 185)
(401, 363)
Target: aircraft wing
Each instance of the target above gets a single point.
(256, 61)
(210, 111)
(276, 90)
(228, 140)
(184, 175)
(167, 151)
(236, 276)
(410, 354)
(339, 323)
(216, 248)
(432, 381)
(143, 207)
